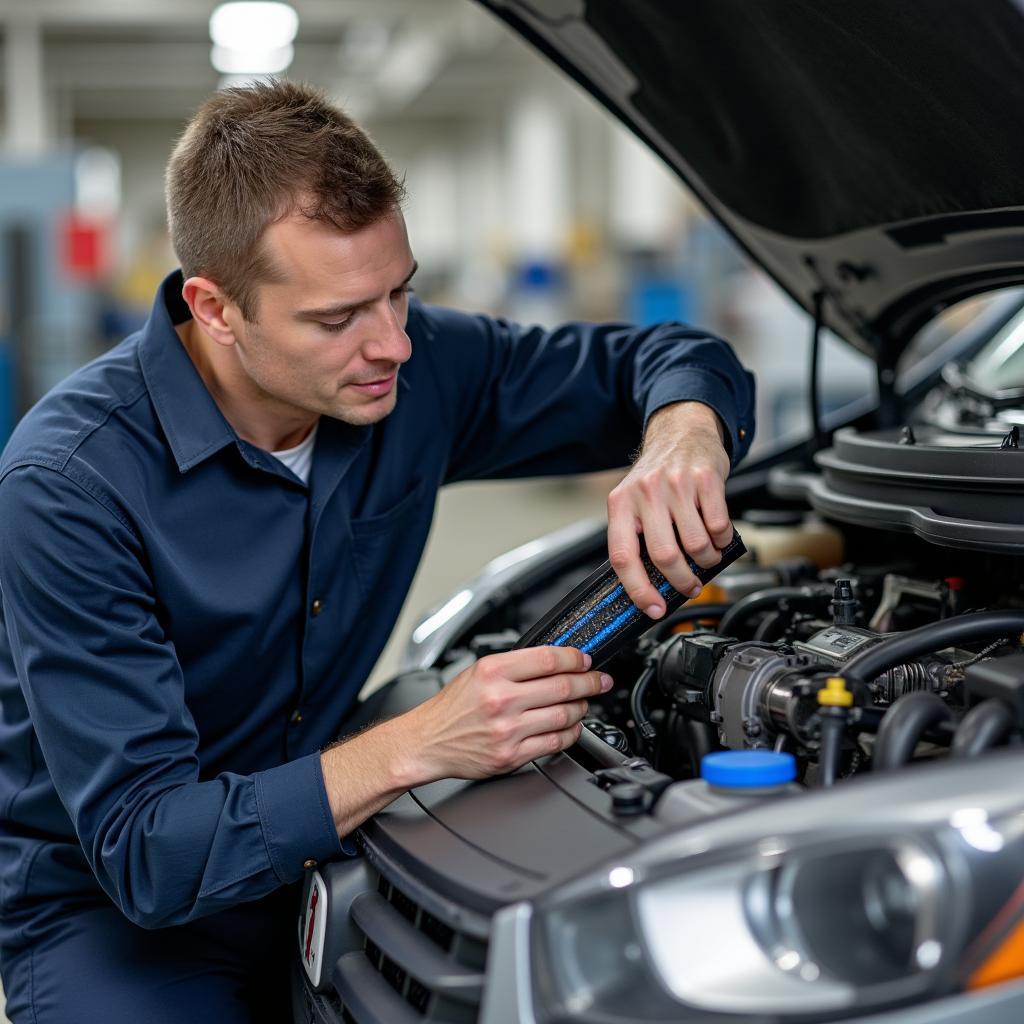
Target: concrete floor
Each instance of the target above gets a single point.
(473, 524)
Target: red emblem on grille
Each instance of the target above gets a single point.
(313, 901)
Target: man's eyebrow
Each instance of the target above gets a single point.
(341, 308)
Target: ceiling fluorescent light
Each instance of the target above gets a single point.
(251, 62)
(253, 37)
(255, 25)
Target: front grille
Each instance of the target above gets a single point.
(403, 904)
(419, 996)
(393, 974)
(437, 931)
(434, 967)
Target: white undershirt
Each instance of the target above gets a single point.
(300, 458)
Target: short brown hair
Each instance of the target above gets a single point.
(253, 155)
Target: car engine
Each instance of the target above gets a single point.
(850, 665)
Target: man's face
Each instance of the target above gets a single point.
(331, 336)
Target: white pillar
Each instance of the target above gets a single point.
(538, 178)
(432, 207)
(481, 217)
(24, 87)
(645, 197)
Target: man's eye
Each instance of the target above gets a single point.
(335, 328)
(404, 290)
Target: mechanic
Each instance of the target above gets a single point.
(206, 536)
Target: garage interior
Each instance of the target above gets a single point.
(526, 200)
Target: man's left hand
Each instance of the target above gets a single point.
(675, 493)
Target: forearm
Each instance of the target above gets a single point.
(365, 772)
(503, 711)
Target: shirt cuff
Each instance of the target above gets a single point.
(692, 385)
(296, 816)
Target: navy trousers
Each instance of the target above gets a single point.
(96, 967)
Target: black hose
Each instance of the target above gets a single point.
(688, 613)
(596, 748)
(702, 739)
(904, 679)
(904, 725)
(962, 629)
(645, 730)
(986, 725)
(770, 627)
(750, 605)
(831, 749)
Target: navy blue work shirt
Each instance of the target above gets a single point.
(186, 624)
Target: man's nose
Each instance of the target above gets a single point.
(388, 343)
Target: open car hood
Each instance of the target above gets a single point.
(867, 154)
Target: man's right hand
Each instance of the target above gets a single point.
(501, 712)
(495, 716)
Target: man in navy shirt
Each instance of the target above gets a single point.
(206, 536)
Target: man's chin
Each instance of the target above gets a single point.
(364, 415)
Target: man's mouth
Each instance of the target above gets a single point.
(375, 388)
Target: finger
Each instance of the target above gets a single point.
(548, 743)
(538, 662)
(624, 555)
(666, 554)
(538, 721)
(694, 535)
(715, 512)
(555, 690)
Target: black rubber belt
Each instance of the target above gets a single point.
(598, 616)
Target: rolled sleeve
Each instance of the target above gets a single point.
(296, 816)
(707, 387)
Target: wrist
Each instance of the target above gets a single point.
(670, 420)
(407, 767)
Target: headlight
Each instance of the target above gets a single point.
(821, 907)
(798, 931)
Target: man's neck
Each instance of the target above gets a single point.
(255, 416)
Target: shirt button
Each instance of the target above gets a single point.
(317, 606)
(742, 432)
(296, 717)
(309, 864)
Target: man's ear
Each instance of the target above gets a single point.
(208, 305)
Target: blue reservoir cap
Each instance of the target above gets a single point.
(747, 769)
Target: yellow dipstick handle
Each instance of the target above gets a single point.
(835, 694)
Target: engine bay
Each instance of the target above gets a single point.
(855, 650)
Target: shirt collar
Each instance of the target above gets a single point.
(194, 426)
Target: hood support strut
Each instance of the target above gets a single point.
(817, 430)
(889, 405)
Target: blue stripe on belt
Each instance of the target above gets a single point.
(613, 627)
